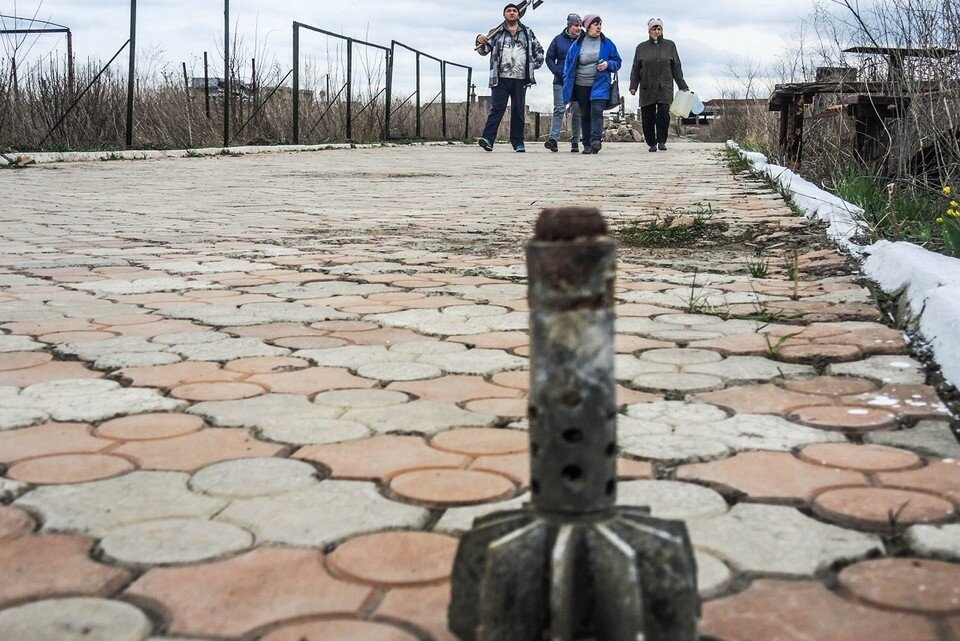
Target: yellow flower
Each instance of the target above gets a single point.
(948, 190)
(954, 204)
(940, 220)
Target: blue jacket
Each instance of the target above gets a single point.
(601, 84)
(557, 55)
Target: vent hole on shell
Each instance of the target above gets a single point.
(573, 436)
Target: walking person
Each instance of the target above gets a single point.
(656, 66)
(556, 59)
(516, 54)
(587, 78)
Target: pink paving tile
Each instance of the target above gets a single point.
(69, 468)
(147, 427)
(456, 389)
(21, 360)
(76, 337)
(451, 487)
(48, 439)
(339, 630)
(193, 451)
(309, 342)
(494, 340)
(149, 330)
(806, 611)
(940, 477)
(775, 477)
(266, 365)
(46, 372)
(759, 399)
(631, 469)
(882, 509)
(844, 418)
(831, 385)
(167, 376)
(394, 559)
(41, 327)
(505, 407)
(912, 401)
(311, 380)
(223, 391)
(479, 441)
(345, 326)
(379, 458)
(53, 565)
(513, 466)
(236, 597)
(120, 320)
(425, 607)
(820, 353)
(863, 458)
(914, 585)
(386, 337)
(518, 380)
(14, 523)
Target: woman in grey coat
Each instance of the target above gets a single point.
(656, 66)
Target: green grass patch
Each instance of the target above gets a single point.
(894, 210)
(674, 228)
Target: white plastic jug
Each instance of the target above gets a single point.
(683, 102)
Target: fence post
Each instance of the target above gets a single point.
(226, 73)
(386, 121)
(71, 75)
(419, 129)
(131, 71)
(296, 83)
(536, 125)
(349, 88)
(443, 97)
(206, 84)
(466, 128)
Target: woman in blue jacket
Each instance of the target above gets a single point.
(587, 75)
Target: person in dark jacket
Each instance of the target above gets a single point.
(556, 59)
(656, 66)
(587, 78)
(516, 54)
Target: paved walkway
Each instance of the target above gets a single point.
(259, 398)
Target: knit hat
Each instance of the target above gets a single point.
(573, 19)
(654, 22)
(511, 6)
(589, 19)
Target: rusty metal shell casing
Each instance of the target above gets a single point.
(571, 264)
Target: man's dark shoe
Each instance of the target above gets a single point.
(520, 149)
(574, 148)
(486, 144)
(551, 145)
(662, 146)
(587, 150)
(597, 146)
(652, 148)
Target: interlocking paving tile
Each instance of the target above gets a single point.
(882, 509)
(318, 515)
(395, 558)
(173, 541)
(14, 523)
(780, 540)
(253, 477)
(380, 457)
(339, 630)
(69, 468)
(451, 487)
(94, 400)
(775, 477)
(930, 540)
(100, 506)
(147, 427)
(196, 450)
(49, 439)
(51, 565)
(806, 611)
(75, 619)
(233, 598)
(913, 585)
(929, 438)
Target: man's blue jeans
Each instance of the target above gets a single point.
(558, 110)
(514, 91)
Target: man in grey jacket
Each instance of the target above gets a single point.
(516, 54)
(656, 66)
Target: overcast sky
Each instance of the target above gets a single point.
(709, 35)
